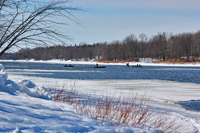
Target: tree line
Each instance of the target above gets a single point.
(162, 46)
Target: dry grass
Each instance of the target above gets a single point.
(114, 61)
(133, 111)
(176, 61)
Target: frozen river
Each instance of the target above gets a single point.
(116, 72)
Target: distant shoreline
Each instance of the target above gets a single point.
(93, 62)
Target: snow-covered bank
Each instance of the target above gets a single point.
(38, 115)
(23, 86)
(24, 107)
(34, 114)
(93, 62)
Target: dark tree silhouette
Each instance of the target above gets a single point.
(33, 22)
(162, 46)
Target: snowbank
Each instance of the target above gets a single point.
(143, 63)
(23, 86)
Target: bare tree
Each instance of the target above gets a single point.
(160, 46)
(186, 44)
(196, 48)
(115, 49)
(143, 39)
(132, 44)
(33, 22)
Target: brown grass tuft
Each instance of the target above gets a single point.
(114, 61)
(176, 61)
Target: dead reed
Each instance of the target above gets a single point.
(136, 110)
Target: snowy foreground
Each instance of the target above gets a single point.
(26, 104)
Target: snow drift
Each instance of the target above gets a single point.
(23, 86)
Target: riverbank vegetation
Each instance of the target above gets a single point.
(163, 46)
(134, 110)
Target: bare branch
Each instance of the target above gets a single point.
(32, 22)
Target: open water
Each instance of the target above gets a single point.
(80, 71)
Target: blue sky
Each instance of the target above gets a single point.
(108, 20)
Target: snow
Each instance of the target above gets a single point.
(17, 130)
(26, 105)
(143, 63)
